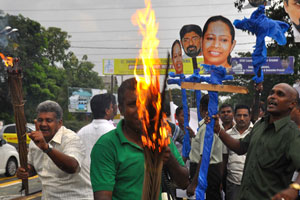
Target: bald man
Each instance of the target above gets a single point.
(272, 149)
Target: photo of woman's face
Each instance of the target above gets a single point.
(217, 44)
(177, 59)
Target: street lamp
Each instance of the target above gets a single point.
(8, 30)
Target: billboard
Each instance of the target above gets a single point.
(243, 65)
(79, 98)
(126, 66)
(274, 65)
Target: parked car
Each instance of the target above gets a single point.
(9, 133)
(9, 158)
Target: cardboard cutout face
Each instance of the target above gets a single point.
(191, 43)
(190, 36)
(292, 8)
(177, 57)
(218, 42)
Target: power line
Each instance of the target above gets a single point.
(111, 8)
(137, 48)
(128, 19)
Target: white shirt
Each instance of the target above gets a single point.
(57, 184)
(235, 164)
(90, 134)
(197, 145)
(296, 34)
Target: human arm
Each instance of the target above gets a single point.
(63, 161)
(256, 104)
(191, 132)
(224, 166)
(103, 195)
(66, 163)
(288, 194)
(23, 174)
(190, 191)
(177, 171)
(231, 143)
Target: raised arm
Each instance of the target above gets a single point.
(230, 142)
(66, 163)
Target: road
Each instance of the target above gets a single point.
(10, 187)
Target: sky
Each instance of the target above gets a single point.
(103, 30)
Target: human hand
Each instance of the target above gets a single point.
(38, 138)
(166, 154)
(190, 190)
(191, 132)
(287, 194)
(258, 87)
(22, 173)
(217, 127)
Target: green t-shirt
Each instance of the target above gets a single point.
(272, 158)
(118, 165)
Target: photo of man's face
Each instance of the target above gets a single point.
(191, 40)
(191, 43)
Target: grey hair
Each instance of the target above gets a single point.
(50, 106)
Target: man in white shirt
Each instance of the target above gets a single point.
(56, 154)
(235, 163)
(102, 106)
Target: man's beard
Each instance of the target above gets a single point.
(192, 51)
(297, 26)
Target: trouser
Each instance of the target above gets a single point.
(232, 190)
(213, 180)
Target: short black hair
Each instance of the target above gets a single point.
(241, 106)
(204, 102)
(99, 104)
(225, 105)
(189, 28)
(178, 110)
(129, 84)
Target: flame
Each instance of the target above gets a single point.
(8, 61)
(148, 88)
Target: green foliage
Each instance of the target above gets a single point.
(49, 68)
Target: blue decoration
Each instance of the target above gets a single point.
(218, 75)
(186, 147)
(262, 26)
(195, 77)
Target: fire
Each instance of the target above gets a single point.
(148, 88)
(8, 61)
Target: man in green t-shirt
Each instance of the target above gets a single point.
(117, 159)
(272, 149)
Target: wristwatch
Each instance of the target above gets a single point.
(295, 186)
(48, 150)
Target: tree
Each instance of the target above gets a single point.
(276, 12)
(49, 68)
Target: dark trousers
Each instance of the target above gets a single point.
(213, 180)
